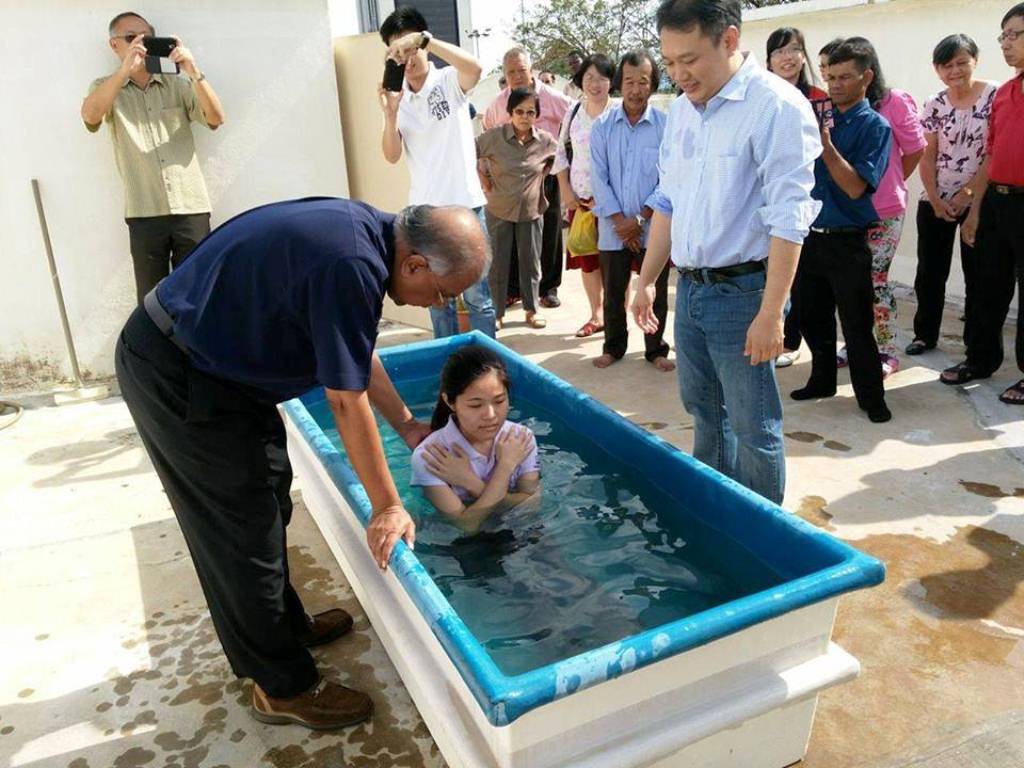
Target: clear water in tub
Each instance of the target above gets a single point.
(593, 560)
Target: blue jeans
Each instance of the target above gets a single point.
(477, 299)
(736, 407)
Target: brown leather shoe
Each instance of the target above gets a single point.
(325, 627)
(324, 707)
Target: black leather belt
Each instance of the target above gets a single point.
(841, 230)
(161, 319)
(721, 274)
(1006, 189)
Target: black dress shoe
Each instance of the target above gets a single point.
(879, 414)
(916, 347)
(812, 392)
(550, 300)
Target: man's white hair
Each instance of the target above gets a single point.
(512, 53)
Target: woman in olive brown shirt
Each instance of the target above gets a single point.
(514, 159)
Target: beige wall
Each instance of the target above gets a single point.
(270, 64)
(904, 32)
(359, 65)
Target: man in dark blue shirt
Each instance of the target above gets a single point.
(274, 302)
(835, 267)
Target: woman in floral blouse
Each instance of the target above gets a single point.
(955, 123)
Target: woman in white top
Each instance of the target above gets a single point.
(955, 123)
(572, 165)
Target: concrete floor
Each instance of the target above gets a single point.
(111, 658)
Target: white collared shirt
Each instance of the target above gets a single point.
(739, 170)
(439, 145)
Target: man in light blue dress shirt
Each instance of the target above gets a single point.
(733, 208)
(624, 146)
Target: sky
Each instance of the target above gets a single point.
(500, 18)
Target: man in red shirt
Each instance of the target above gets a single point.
(997, 221)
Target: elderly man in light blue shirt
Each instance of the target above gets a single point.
(733, 209)
(624, 146)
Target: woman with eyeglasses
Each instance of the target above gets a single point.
(787, 58)
(572, 165)
(955, 122)
(513, 161)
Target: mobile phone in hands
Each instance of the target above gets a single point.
(825, 112)
(157, 51)
(394, 75)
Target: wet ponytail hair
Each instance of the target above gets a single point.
(464, 366)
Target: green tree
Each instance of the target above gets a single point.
(612, 27)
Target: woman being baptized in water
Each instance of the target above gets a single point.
(476, 461)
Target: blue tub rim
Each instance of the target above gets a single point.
(505, 698)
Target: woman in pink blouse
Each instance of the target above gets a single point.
(955, 122)
(890, 201)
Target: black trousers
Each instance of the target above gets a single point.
(551, 241)
(791, 328)
(551, 246)
(1000, 250)
(935, 239)
(162, 243)
(616, 272)
(835, 274)
(221, 456)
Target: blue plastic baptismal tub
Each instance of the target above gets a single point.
(648, 684)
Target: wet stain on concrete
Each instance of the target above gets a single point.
(654, 426)
(978, 591)
(185, 709)
(814, 510)
(146, 717)
(804, 437)
(136, 757)
(834, 445)
(935, 659)
(393, 739)
(812, 437)
(990, 491)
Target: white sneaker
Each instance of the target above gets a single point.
(786, 359)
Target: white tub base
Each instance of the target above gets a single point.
(744, 701)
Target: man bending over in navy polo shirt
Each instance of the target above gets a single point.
(274, 302)
(835, 269)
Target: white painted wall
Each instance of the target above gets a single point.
(904, 32)
(272, 65)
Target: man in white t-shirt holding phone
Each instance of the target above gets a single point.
(429, 118)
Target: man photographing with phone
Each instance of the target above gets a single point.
(167, 207)
(426, 115)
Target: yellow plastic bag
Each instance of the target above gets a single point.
(582, 239)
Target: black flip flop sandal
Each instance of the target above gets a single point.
(1019, 389)
(962, 373)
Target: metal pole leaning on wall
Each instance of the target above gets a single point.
(81, 392)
